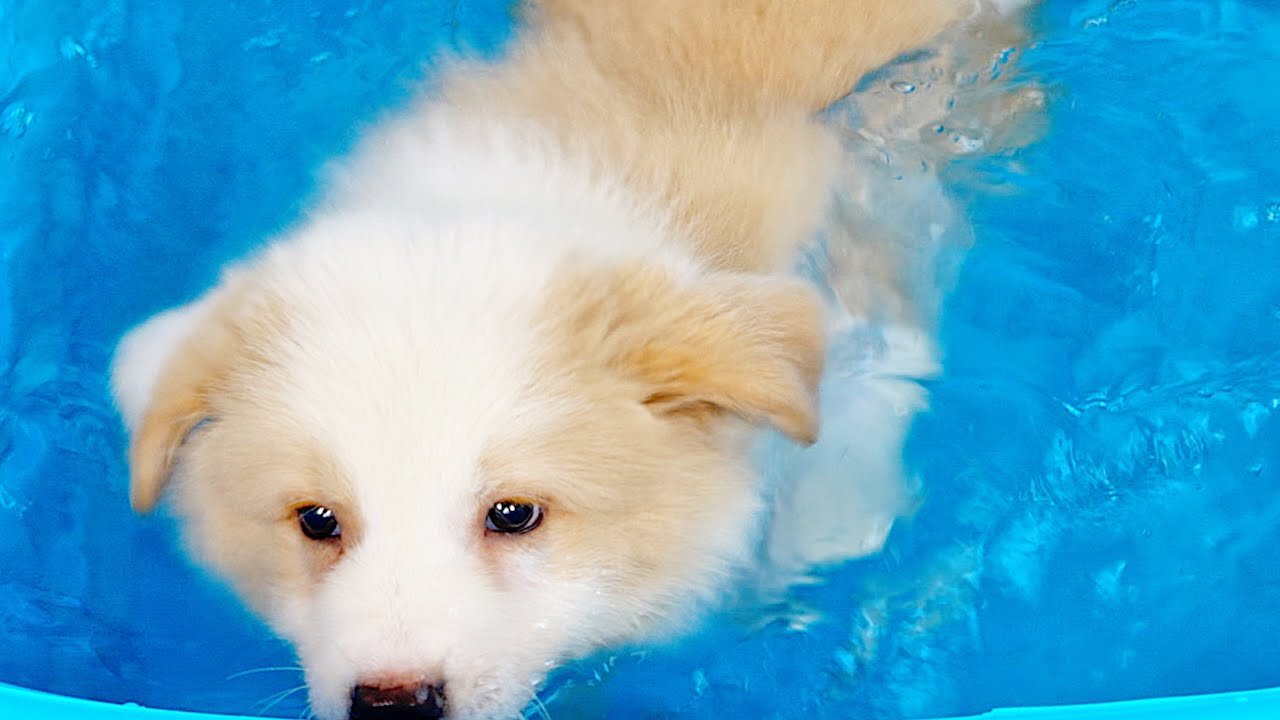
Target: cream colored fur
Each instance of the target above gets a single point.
(564, 278)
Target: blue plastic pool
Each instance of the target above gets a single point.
(1101, 466)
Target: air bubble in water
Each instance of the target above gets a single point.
(15, 120)
(70, 48)
(1271, 212)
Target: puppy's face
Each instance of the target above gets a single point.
(440, 473)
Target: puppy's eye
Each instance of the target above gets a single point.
(513, 517)
(319, 523)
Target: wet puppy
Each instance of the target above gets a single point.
(487, 406)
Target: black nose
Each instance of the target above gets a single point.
(405, 702)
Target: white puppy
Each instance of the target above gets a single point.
(488, 406)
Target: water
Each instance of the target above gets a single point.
(1099, 470)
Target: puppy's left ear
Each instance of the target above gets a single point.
(747, 345)
(160, 377)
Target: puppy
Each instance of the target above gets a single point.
(489, 405)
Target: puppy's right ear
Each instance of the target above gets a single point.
(160, 378)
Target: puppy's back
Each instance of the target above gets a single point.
(745, 56)
(705, 106)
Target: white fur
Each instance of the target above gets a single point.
(143, 354)
(426, 267)
(842, 496)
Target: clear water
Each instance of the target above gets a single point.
(1101, 516)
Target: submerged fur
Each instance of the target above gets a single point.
(564, 279)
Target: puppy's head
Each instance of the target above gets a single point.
(439, 467)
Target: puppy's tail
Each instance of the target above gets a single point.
(744, 56)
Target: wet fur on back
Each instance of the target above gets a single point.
(708, 107)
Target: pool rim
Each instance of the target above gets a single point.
(1263, 704)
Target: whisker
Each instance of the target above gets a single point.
(542, 708)
(253, 671)
(277, 698)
